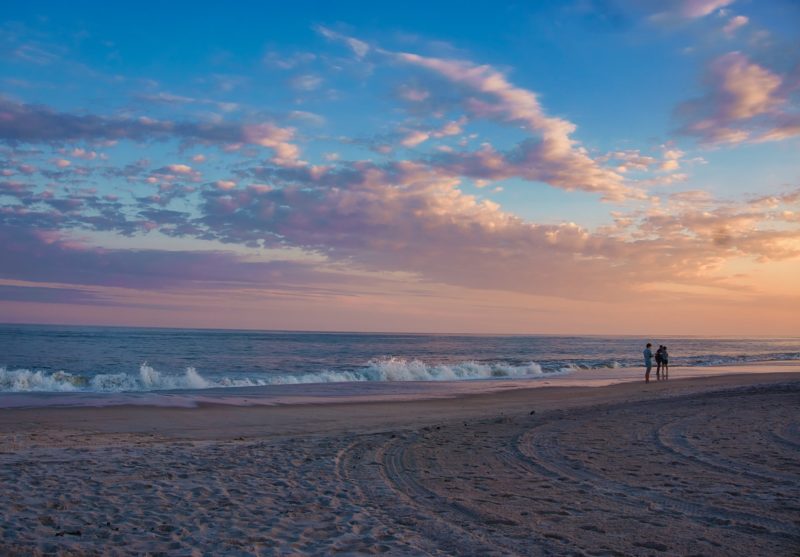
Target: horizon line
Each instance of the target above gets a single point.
(417, 333)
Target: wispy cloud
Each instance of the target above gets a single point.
(552, 155)
(672, 10)
(53, 257)
(359, 47)
(172, 99)
(306, 82)
(734, 24)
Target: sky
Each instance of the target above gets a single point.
(570, 167)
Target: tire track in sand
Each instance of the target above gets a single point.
(541, 445)
(386, 487)
(673, 437)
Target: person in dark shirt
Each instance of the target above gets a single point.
(659, 359)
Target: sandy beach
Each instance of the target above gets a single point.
(691, 466)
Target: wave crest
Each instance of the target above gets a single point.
(149, 379)
(400, 369)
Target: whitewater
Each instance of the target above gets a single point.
(149, 379)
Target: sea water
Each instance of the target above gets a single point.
(98, 361)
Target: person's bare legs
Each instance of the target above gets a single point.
(647, 373)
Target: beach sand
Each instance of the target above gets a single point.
(691, 466)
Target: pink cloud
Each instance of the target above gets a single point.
(734, 24)
(277, 139)
(174, 173)
(630, 159)
(744, 101)
(689, 9)
(700, 8)
(509, 103)
(225, 184)
(413, 94)
(745, 89)
(180, 168)
(672, 160)
(414, 138)
(555, 157)
(784, 127)
(84, 154)
(533, 161)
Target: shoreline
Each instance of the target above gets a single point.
(219, 420)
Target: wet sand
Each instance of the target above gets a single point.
(693, 466)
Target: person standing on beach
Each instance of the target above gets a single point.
(648, 362)
(664, 362)
(658, 361)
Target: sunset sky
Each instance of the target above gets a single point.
(587, 166)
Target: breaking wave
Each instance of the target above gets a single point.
(388, 369)
(149, 379)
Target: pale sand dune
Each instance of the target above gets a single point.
(707, 466)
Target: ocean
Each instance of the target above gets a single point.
(72, 360)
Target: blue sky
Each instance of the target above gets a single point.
(428, 150)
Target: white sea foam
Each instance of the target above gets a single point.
(25, 380)
(150, 379)
(401, 369)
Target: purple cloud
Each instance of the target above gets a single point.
(69, 208)
(744, 102)
(51, 295)
(26, 123)
(51, 257)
